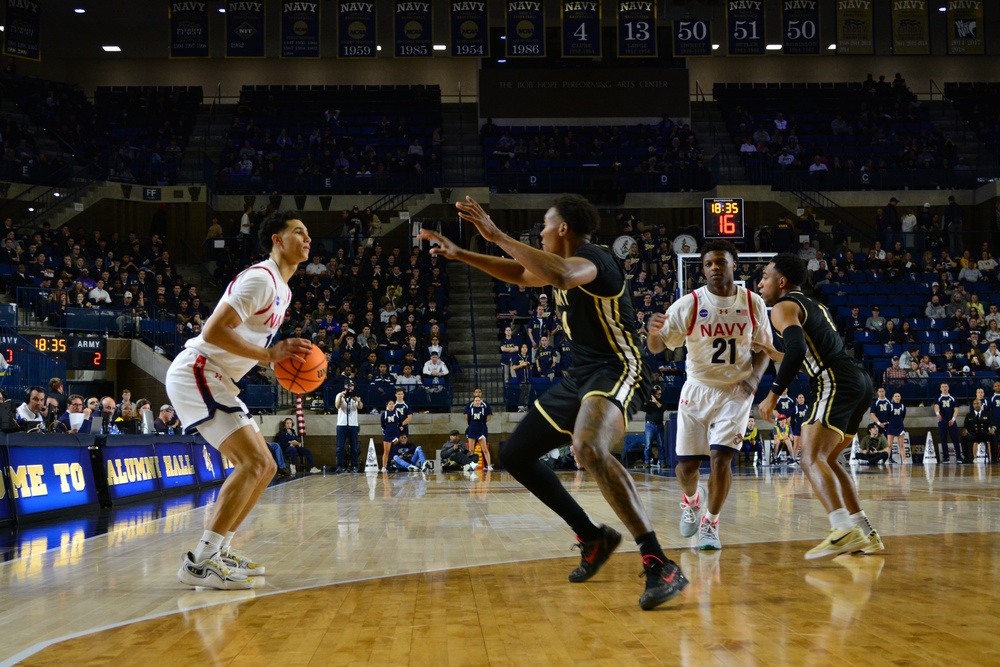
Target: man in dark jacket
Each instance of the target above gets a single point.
(978, 428)
(455, 455)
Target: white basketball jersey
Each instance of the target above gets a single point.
(721, 334)
(260, 297)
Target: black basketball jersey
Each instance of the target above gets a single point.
(824, 346)
(598, 318)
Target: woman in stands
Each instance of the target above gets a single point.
(895, 428)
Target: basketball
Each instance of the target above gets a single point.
(302, 377)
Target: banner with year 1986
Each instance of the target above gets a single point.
(21, 37)
(188, 29)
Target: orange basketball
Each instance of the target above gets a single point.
(302, 377)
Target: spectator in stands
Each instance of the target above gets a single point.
(435, 370)
(910, 353)
(293, 447)
(952, 224)
(875, 322)
(934, 309)
(970, 274)
(545, 359)
(874, 446)
(521, 370)
(30, 413)
(654, 434)
(895, 375)
(782, 441)
(753, 444)
(128, 420)
(407, 378)
(509, 346)
(991, 357)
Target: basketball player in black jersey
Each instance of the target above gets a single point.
(840, 395)
(609, 380)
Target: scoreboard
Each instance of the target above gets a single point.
(722, 218)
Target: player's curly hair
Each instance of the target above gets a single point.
(791, 267)
(274, 224)
(581, 216)
(724, 246)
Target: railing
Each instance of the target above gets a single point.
(293, 183)
(766, 173)
(609, 181)
(862, 231)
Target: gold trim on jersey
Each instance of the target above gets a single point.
(550, 420)
(598, 296)
(826, 393)
(621, 340)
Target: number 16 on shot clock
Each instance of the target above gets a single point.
(722, 218)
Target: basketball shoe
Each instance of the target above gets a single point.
(212, 573)
(874, 544)
(708, 535)
(595, 553)
(664, 581)
(691, 512)
(838, 542)
(237, 561)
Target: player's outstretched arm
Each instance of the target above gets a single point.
(655, 326)
(500, 268)
(220, 330)
(561, 272)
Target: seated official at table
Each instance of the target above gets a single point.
(74, 406)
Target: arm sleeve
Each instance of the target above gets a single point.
(795, 353)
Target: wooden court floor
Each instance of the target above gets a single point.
(440, 570)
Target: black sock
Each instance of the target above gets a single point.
(650, 546)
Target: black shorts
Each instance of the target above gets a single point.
(627, 388)
(841, 399)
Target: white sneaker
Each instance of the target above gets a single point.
(470, 467)
(708, 536)
(291, 468)
(314, 470)
(237, 561)
(412, 468)
(383, 469)
(489, 468)
(691, 513)
(212, 573)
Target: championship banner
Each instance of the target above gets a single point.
(910, 28)
(692, 37)
(300, 29)
(470, 30)
(356, 30)
(745, 22)
(636, 30)
(245, 29)
(525, 30)
(965, 28)
(22, 34)
(414, 30)
(188, 29)
(581, 29)
(800, 27)
(854, 28)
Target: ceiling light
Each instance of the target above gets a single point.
(80, 10)
(502, 60)
(715, 47)
(832, 47)
(222, 10)
(773, 47)
(112, 49)
(440, 47)
(378, 47)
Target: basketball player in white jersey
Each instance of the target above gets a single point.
(728, 337)
(202, 389)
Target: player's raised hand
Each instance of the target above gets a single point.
(471, 210)
(446, 247)
(656, 323)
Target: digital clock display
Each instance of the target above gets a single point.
(722, 218)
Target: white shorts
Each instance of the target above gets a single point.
(709, 417)
(206, 398)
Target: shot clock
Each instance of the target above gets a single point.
(722, 218)
(73, 353)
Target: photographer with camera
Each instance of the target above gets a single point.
(348, 404)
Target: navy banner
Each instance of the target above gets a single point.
(300, 29)
(525, 30)
(636, 30)
(581, 29)
(692, 37)
(470, 28)
(21, 37)
(800, 27)
(208, 465)
(855, 31)
(50, 472)
(414, 30)
(132, 469)
(965, 28)
(188, 29)
(174, 460)
(911, 29)
(356, 29)
(746, 27)
(245, 29)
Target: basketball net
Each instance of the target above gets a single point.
(300, 419)
(371, 462)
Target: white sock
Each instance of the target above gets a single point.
(693, 500)
(714, 518)
(208, 546)
(840, 519)
(228, 540)
(860, 519)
